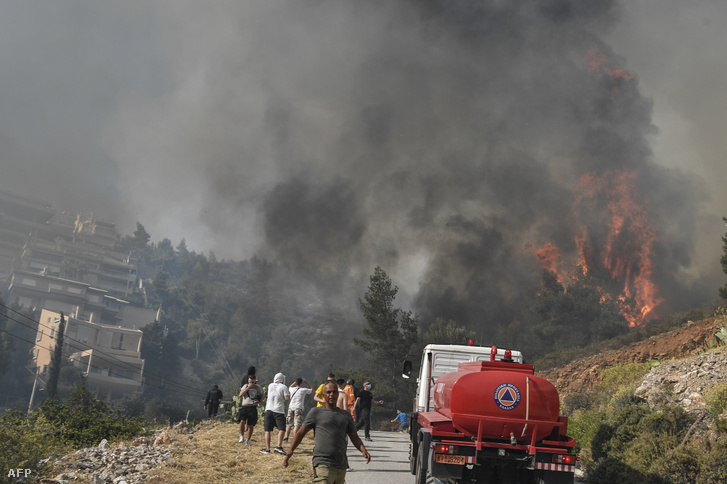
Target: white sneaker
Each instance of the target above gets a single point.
(242, 439)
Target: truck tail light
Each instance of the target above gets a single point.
(446, 449)
(564, 459)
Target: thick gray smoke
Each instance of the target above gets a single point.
(441, 140)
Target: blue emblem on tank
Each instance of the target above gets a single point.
(507, 396)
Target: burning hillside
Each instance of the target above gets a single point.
(614, 239)
(434, 139)
(615, 243)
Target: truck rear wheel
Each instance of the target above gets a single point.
(421, 474)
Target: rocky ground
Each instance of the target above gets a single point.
(126, 463)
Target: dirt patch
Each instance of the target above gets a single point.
(585, 374)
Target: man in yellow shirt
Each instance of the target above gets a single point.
(318, 397)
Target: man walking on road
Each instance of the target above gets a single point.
(365, 400)
(278, 394)
(331, 425)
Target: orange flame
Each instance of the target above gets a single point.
(600, 63)
(607, 207)
(627, 255)
(549, 258)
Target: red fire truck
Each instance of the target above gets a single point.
(483, 416)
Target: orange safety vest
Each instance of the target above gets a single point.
(351, 399)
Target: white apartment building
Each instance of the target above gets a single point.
(109, 356)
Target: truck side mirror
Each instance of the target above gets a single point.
(406, 372)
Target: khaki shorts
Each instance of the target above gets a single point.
(295, 417)
(329, 475)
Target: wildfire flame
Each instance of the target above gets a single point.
(614, 241)
(549, 258)
(600, 63)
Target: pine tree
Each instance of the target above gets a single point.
(56, 362)
(388, 338)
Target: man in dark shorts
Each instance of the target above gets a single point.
(332, 425)
(252, 394)
(278, 394)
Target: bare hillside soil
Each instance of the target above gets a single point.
(584, 375)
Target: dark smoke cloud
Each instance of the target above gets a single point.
(440, 140)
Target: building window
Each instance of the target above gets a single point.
(52, 333)
(40, 335)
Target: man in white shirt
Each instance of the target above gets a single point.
(278, 394)
(297, 405)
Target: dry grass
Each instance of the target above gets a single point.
(212, 454)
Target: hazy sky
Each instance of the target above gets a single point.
(441, 140)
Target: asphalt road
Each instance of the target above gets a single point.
(389, 460)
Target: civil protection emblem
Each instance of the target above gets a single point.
(507, 396)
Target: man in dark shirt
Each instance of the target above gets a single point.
(212, 402)
(332, 425)
(364, 401)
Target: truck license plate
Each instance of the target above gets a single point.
(449, 459)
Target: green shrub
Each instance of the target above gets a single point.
(646, 444)
(627, 375)
(609, 470)
(164, 411)
(713, 465)
(583, 426)
(679, 465)
(716, 399)
(24, 443)
(86, 421)
(129, 406)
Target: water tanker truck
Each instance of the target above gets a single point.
(481, 415)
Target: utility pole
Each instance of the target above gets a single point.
(32, 394)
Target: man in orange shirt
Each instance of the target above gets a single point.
(351, 392)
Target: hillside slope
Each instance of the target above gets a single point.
(584, 375)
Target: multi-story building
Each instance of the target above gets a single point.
(85, 262)
(79, 299)
(109, 356)
(23, 218)
(55, 262)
